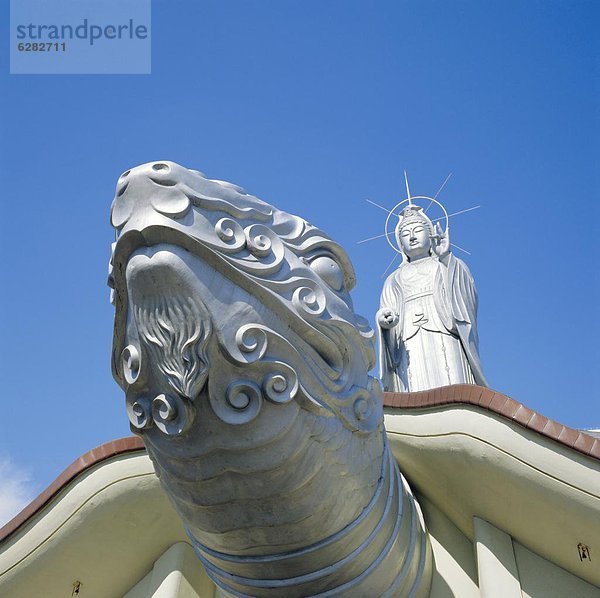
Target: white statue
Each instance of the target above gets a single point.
(246, 372)
(427, 319)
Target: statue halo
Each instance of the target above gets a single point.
(409, 200)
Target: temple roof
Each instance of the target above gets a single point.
(479, 397)
(586, 442)
(467, 451)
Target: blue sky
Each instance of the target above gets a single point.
(313, 106)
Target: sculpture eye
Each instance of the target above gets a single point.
(329, 271)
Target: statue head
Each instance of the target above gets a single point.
(413, 233)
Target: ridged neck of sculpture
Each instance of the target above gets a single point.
(382, 552)
(279, 484)
(315, 510)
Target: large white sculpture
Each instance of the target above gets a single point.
(427, 319)
(246, 372)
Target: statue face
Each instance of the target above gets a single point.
(414, 240)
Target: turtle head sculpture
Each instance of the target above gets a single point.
(246, 372)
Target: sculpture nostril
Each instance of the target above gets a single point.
(160, 166)
(125, 174)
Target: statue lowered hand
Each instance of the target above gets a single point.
(387, 318)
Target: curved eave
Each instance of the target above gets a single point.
(487, 399)
(104, 523)
(90, 459)
(477, 453)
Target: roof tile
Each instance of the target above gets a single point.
(509, 408)
(486, 398)
(568, 436)
(497, 402)
(584, 442)
(523, 415)
(552, 429)
(595, 450)
(537, 422)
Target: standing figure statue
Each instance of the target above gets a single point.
(427, 320)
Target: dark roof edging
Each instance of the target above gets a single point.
(486, 398)
(87, 460)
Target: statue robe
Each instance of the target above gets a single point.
(435, 342)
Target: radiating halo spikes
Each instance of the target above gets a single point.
(409, 200)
